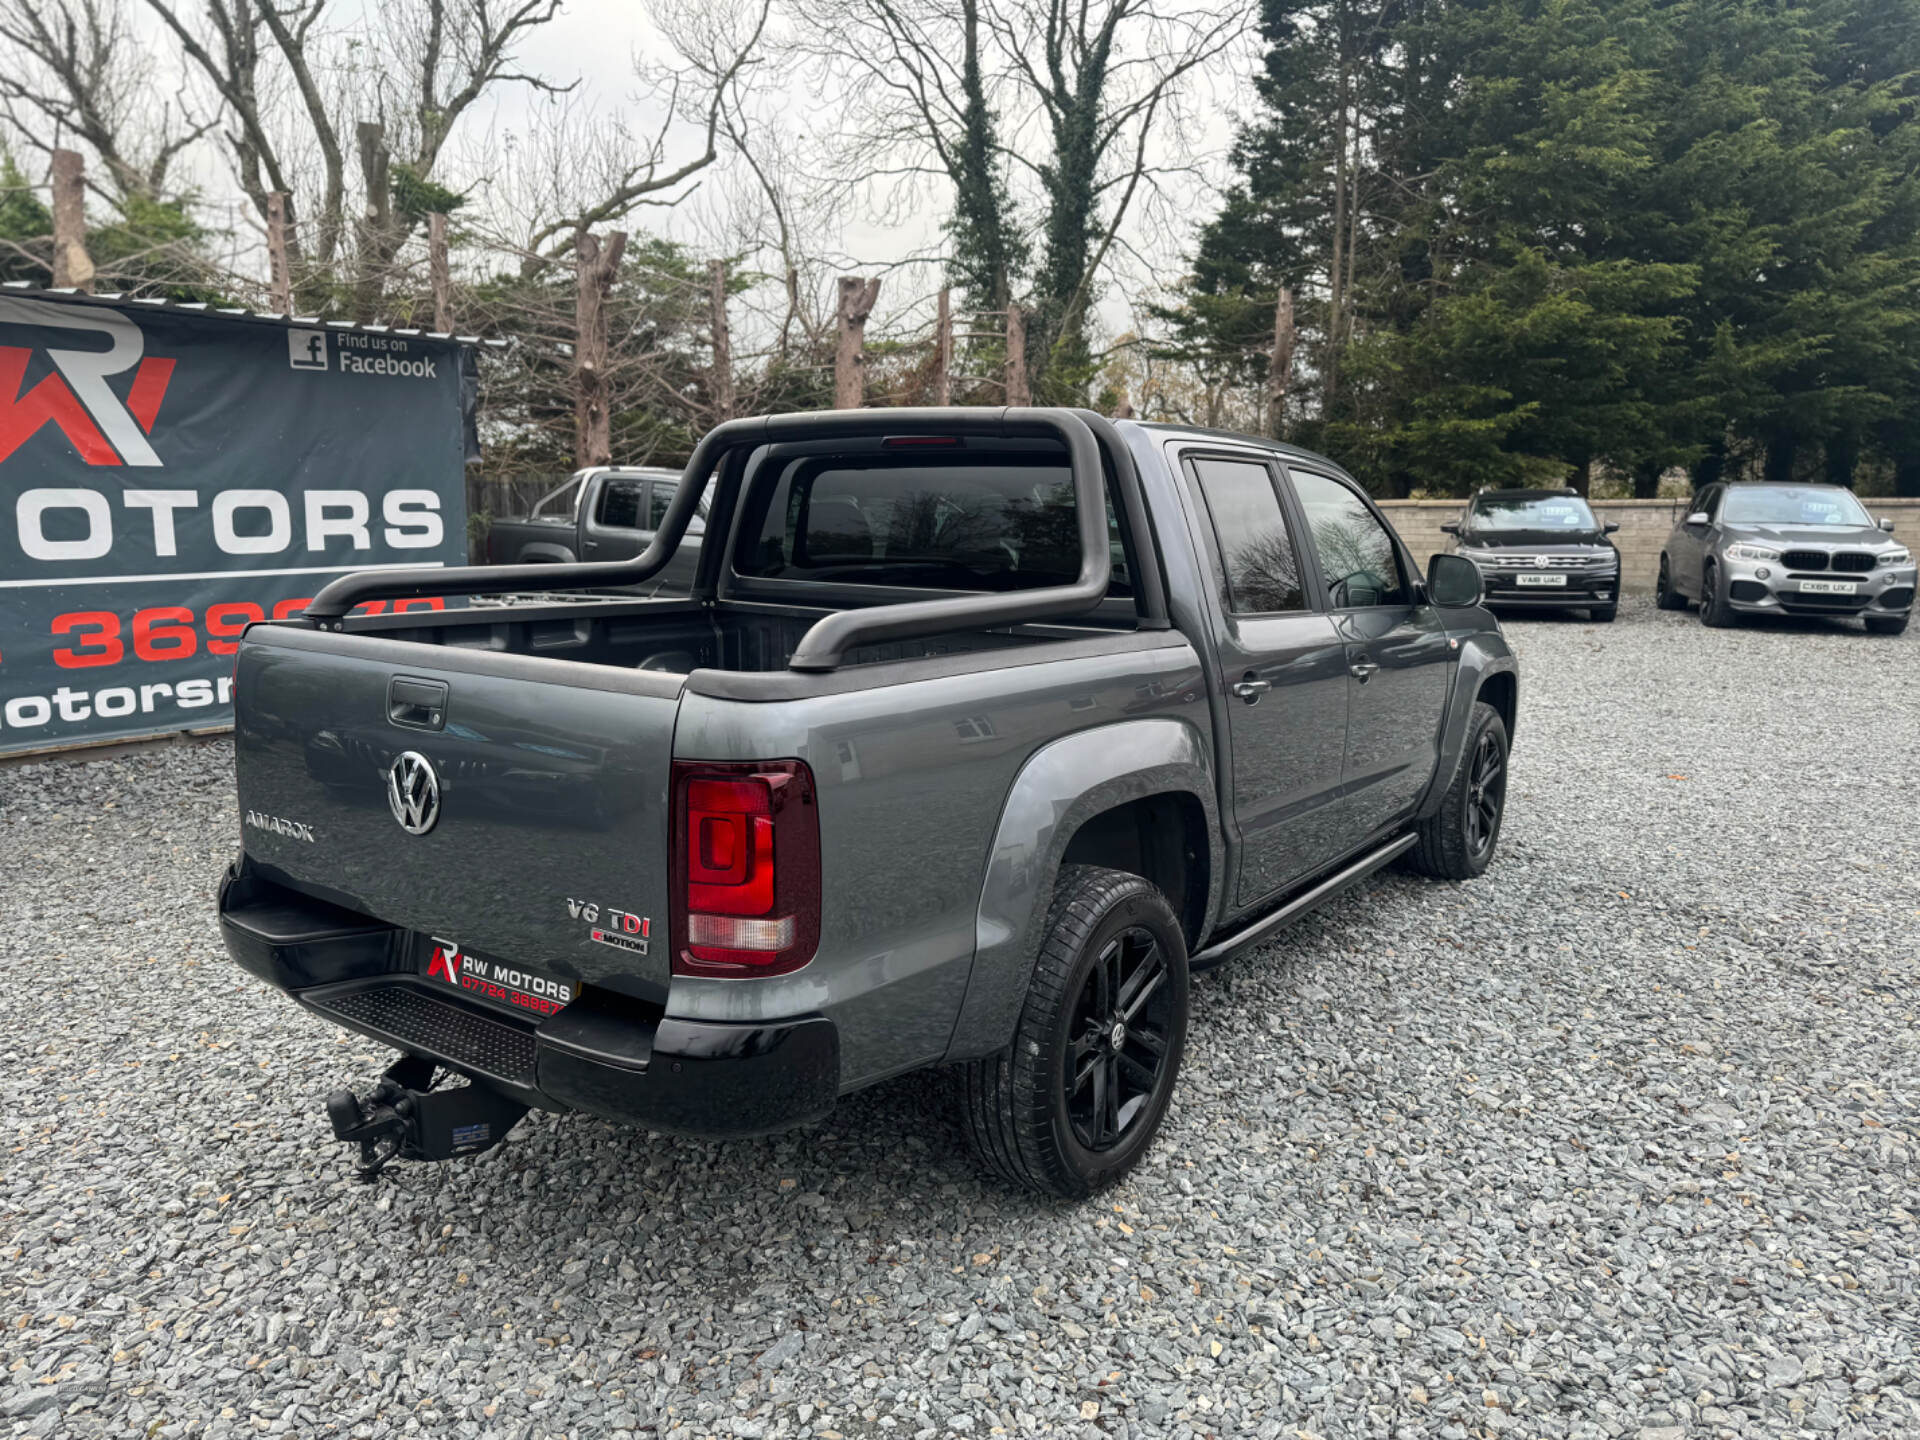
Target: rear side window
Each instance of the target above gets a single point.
(1262, 567)
(620, 504)
(929, 525)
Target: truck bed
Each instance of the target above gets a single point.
(680, 638)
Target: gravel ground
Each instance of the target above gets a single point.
(1619, 1140)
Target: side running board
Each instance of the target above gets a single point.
(1267, 925)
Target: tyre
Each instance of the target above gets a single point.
(1072, 1104)
(1603, 614)
(1664, 595)
(1886, 624)
(1715, 612)
(1457, 841)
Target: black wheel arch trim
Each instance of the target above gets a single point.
(1480, 663)
(1063, 786)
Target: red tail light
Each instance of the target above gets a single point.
(746, 867)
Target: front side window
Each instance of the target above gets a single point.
(1792, 505)
(1262, 569)
(620, 504)
(928, 525)
(1357, 556)
(1553, 514)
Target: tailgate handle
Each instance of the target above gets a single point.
(418, 704)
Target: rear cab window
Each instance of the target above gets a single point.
(968, 523)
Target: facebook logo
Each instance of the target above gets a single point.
(307, 349)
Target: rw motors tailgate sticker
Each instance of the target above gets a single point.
(501, 983)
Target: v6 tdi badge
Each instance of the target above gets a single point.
(622, 929)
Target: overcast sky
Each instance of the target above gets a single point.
(598, 43)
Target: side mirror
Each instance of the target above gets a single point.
(1452, 527)
(1698, 517)
(1885, 522)
(1611, 527)
(1453, 581)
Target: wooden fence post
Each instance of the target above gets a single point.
(279, 274)
(1018, 391)
(1280, 362)
(943, 350)
(849, 353)
(592, 421)
(440, 273)
(722, 380)
(71, 266)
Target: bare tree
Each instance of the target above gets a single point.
(70, 70)
(290, 94)
(596, 266)
(602, 172)
(1047, 119)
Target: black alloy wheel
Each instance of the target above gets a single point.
(1075, 1100)
(1456, 842)
(1122, 1019)
(1715, 612)
(1664, 595)
(1486, 793)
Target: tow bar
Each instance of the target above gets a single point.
(405, 1118)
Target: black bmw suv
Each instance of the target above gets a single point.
(1541, 548)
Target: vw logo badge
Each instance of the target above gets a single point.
(413, 792)
(1540, 562)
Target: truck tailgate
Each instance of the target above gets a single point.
(548, 844)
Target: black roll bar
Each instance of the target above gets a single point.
(826, 644)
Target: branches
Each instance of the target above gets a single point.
(717, 47)
(74, 66)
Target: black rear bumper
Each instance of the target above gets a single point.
(604, 1053)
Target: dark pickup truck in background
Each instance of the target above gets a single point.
(979, 731)
(601, 513)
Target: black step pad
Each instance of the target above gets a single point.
(411, 1019)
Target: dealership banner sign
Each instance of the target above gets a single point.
(169, 476)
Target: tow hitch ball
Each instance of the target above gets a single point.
(405, 1118)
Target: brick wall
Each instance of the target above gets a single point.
(1644, 526)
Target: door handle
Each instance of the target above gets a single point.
(1362, 670)
(1251, 689)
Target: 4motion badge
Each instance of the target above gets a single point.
(622, 929)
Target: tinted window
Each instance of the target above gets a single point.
(1262, 570)
(1792, 505)
(1531, 512)
(1356, 554)
(620, 504)
(657, 506)
(933, 525)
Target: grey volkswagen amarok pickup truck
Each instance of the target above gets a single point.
(979, 731)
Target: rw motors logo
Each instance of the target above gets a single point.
(75, 398)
